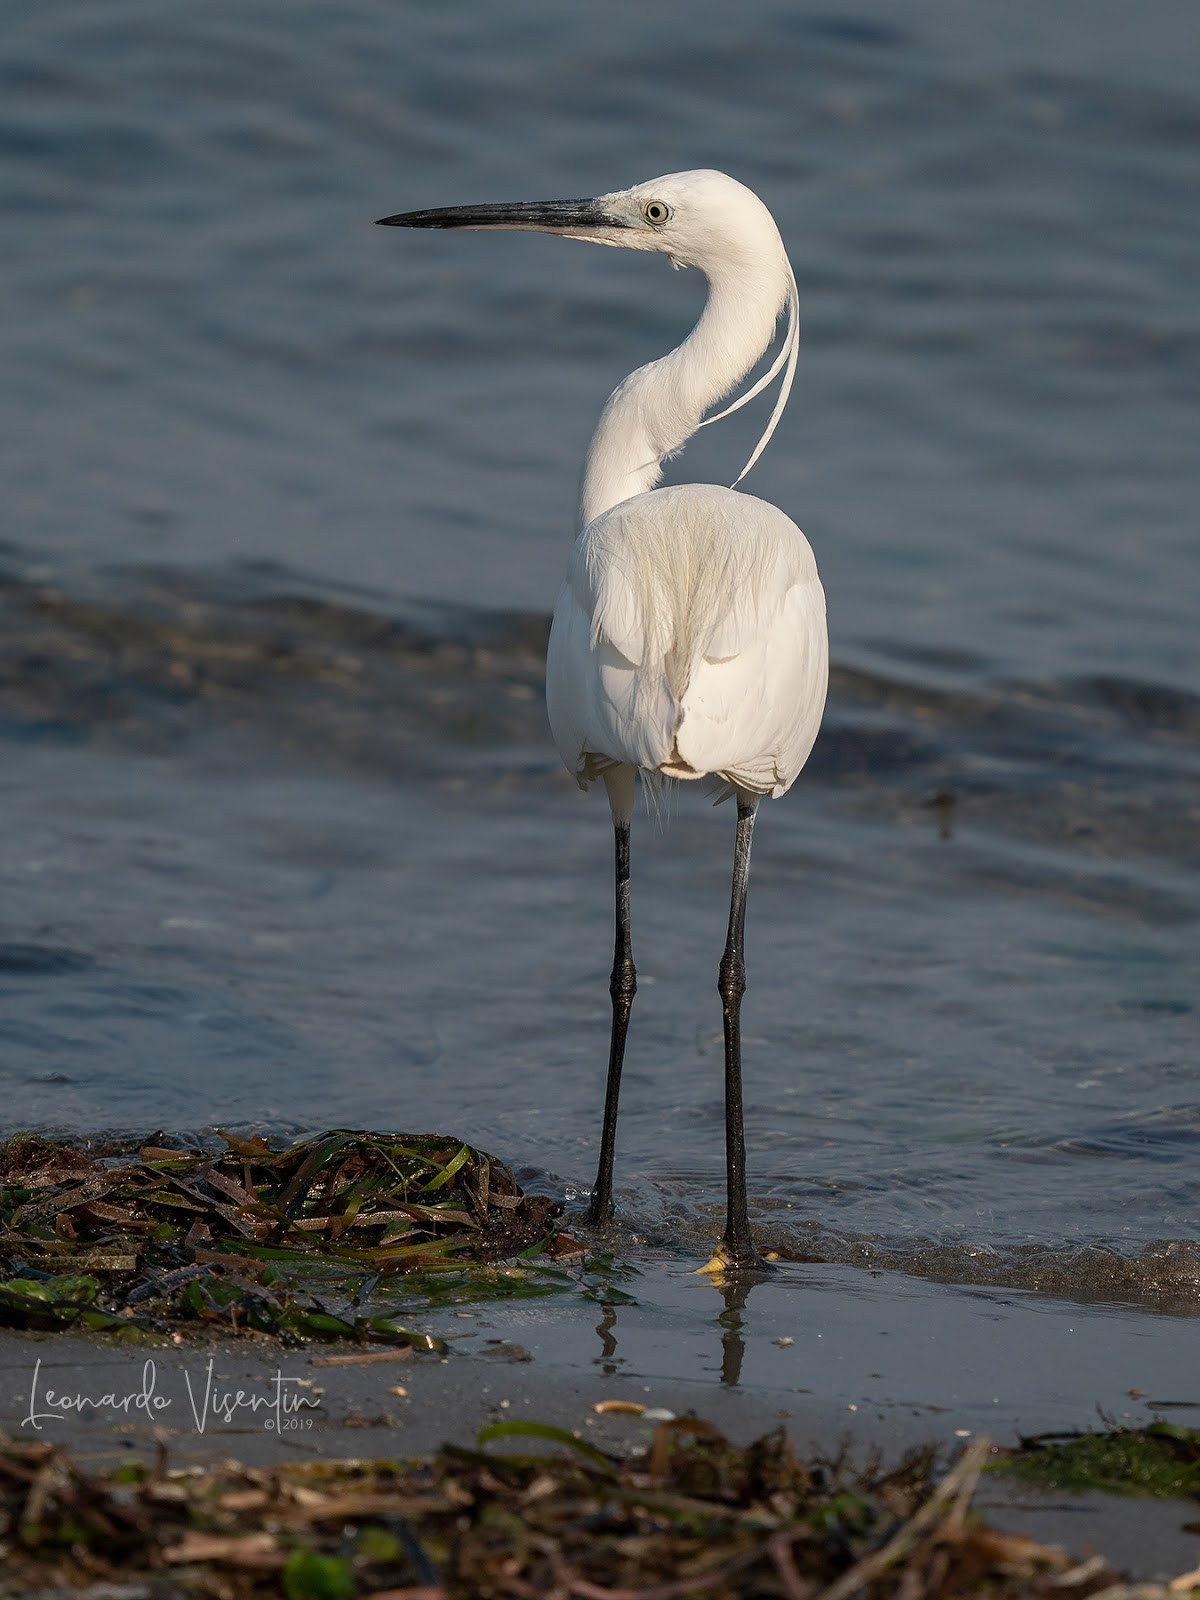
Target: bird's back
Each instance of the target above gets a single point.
(689, 639)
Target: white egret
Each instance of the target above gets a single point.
(689, 638)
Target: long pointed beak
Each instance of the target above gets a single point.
(538, 216)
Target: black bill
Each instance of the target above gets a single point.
(553, 216)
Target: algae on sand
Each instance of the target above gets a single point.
(306, 1240)
(1161, 1460)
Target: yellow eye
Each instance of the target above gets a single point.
(656, 212)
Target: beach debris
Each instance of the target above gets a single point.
(699, 1517)
(364, 1358)
(290, 1240)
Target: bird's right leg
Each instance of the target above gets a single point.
(622, 986)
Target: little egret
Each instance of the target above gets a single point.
(689, 638)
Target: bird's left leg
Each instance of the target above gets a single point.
(736, 1248)
(622, 987)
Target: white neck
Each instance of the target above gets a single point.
(658, 408)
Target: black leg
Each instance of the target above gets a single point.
(622, 987)
(736, 1248)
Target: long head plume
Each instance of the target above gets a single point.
(788, 352)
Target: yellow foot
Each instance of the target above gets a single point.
(724, 1262)
(716, 1268)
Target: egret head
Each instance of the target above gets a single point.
(699, 219)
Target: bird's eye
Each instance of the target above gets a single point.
(656, 211)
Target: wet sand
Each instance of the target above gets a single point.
(450, 1400)
(876, 1362)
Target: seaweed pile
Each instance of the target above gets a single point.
(693, 1516)
(1160, 1460)
(298, 1242)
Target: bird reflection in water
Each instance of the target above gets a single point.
(734, 1291)
(608, 1361)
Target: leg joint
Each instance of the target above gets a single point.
(731, 981)
(623, 983)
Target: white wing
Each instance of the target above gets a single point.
(689, 639)
(603, 708)
(753, 717)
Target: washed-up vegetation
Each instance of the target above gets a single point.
(337, 1236)
(1161, 1460)
(692, 1515)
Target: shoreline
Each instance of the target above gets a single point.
(346, 1407)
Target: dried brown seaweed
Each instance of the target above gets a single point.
(695, 1516)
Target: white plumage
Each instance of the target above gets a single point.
(689, 638)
